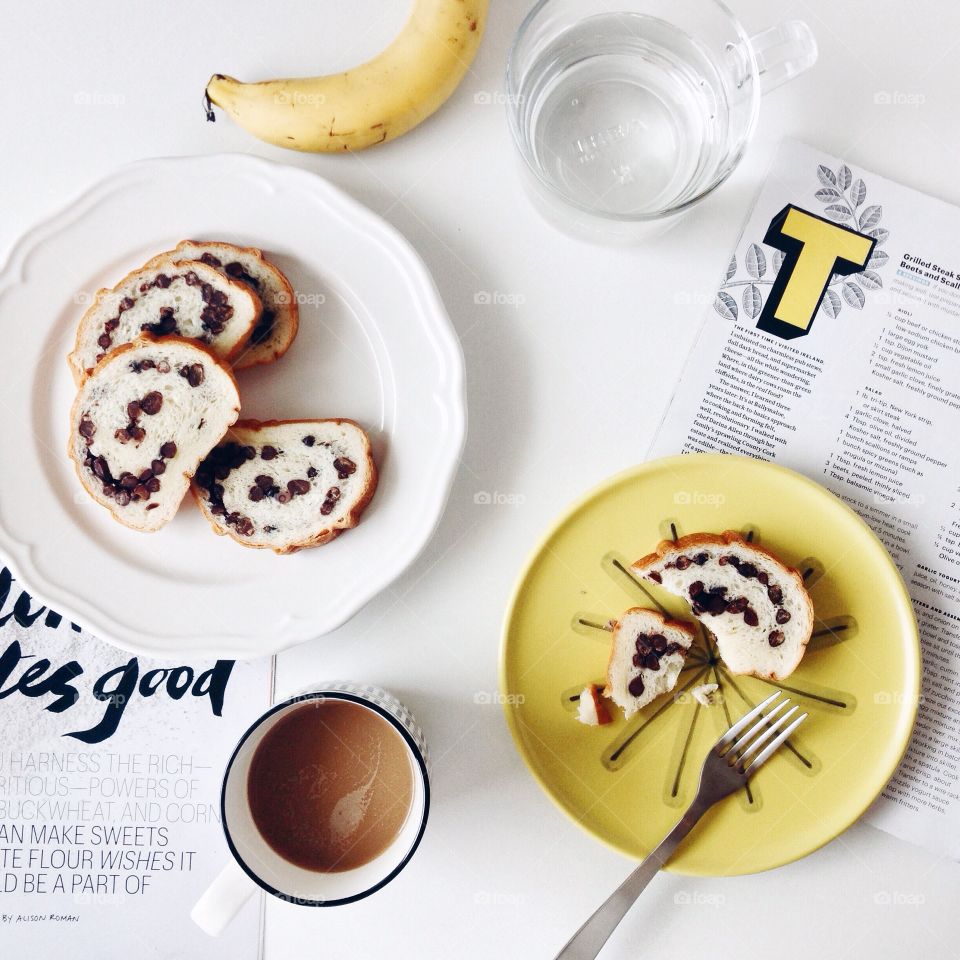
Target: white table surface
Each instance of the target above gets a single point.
(568, 377)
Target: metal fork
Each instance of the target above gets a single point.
(729, 764)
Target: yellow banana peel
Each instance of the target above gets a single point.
(375, 102)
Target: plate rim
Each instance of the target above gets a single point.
(17, 555)
(564, 517)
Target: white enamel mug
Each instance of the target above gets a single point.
(255, 864)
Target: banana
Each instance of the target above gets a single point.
(378, 101)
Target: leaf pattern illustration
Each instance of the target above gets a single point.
(828, 194)
(877, 259)
(844, 176)
(870, 217)
(858, 192)
(879, 234)
(732, 267)
(752, 302)
(832, 304)
(870, 279)
(854, 295)
(827, 176)
(777, 260)
(837, 212)
(726, 306)
(756, 261)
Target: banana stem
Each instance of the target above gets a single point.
(208, 108)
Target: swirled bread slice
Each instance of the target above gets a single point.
(286, 484)
(757, 608)
(646, 658)
(142, 422)
(182, 298)
(278, 324)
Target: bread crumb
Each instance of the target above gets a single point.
(706, 694)
(591, 710)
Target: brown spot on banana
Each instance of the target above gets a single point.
(378, 101)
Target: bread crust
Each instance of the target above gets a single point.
(145, 337)
(665, 622)
(80, 374)
(323, 536)
(253, 357)
(736, 539)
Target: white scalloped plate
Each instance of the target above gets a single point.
(375, 344)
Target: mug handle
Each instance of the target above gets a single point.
(222, 900)
(783, 52)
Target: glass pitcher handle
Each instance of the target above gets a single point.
(783, 52)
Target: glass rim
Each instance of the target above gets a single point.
(512, 101)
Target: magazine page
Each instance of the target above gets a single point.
(833, 348)
(110, 778)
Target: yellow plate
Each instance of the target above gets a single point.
(628, 782)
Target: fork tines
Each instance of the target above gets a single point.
(768, 725)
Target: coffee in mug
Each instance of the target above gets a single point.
(330, 785)
(324, 801)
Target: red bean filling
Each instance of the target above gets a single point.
(714, 601)
(130, 486)
(333, 495)
(150, 405)
(229, 456)
(265, 487)
(127, 486)
(105, 340)
(216, 467)
(344, 467)
(235, 271)
(264, 328)
(213, 318)
(216, 313)
(165, 324)
(650, 648)
(192, 373)
(710, 601)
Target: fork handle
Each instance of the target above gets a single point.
(588, 941)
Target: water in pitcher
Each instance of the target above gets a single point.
(625, 114)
